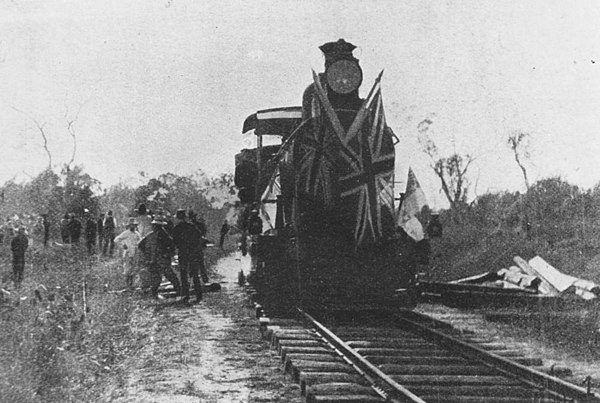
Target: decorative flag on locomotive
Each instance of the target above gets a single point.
(327, 195)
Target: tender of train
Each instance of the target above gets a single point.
(319, 206)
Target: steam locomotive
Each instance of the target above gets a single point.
(325, 197)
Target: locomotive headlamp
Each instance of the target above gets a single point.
(344, 76)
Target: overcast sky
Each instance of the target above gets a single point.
(164, 86)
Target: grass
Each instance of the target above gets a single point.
(67, 345)
(58, 346)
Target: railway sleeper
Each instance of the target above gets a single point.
(292, 359)
(438, 360)
(416, 344)
(346, 399)
(445, 380)
(404, 352)
(276, 340)
(268, 330)
(298, 343)
(488, 392)
(395, 369)
(340, 389)
(382, 359)
(312, 366)
(284, 351)
(508, 353)
(478, 399)
(281, 322)
(277, 330)
(308, 379)
(351, 331)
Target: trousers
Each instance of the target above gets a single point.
(158, 269)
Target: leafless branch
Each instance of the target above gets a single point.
(42, 132)
(71, 130)
(516, 142)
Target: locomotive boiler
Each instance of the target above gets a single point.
(325, 196)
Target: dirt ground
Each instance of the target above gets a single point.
(207, 352)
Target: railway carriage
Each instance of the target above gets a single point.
(326, 197)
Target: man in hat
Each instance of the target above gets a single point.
(188, 242)
(254, 223)
(129, 240)
(157, 249)
(198, 222)
(18, 246)
(144, 220)
(91, 230)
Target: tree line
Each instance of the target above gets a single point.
(71, 190)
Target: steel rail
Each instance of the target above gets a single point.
(528, 375)
(395, 391)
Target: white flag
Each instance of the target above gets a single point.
(414, 200)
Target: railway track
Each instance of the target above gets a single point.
(409, 357)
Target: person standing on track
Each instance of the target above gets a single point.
(188, 242)
(157, 249)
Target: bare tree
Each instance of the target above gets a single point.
(40, 127)
(71, 130)
(518, 144)
(452, 170)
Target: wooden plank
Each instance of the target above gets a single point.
(545, 287)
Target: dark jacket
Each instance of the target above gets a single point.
(188, 240)
(91, 230)
(157, 247)
(18, 246)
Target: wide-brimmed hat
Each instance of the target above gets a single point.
(131, 222)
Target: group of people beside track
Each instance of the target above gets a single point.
(184, 236)
(98, 231)
(150, 242)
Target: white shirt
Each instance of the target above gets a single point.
(144, 226)
(130, 239)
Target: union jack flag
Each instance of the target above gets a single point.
(345, 163)
(366, 185)
(316, 170)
